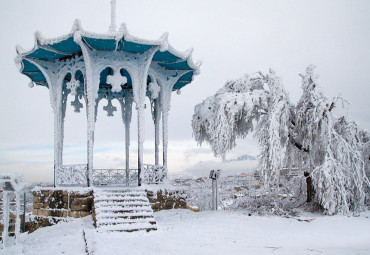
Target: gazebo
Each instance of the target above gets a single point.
(115, 65)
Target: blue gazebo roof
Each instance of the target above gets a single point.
(65, 47)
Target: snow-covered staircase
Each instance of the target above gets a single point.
(122, 210)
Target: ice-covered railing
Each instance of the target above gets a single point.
(71, 175)
(114, 177)
(76, 175)
(150, 174)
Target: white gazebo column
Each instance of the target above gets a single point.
(54, 77)
(126, 110)
(139, 87)
(154, 90)
(167, 81)
(166, 101)
(58, 130)
(92, 69)
(157, 118)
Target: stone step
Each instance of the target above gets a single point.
(119, 200)
(119, 190)
(102, 210)
(115, 221)
(123, 210)
(119, 195)
(121, 204)
(128, 193)
(125, 215)
(127, 227)
(113, 206)
(131, 194)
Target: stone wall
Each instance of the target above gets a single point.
(72, 203)
(52, 205)
(62, 203)
(163, 199)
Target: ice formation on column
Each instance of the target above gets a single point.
(154, 90)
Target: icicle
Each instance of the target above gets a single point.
(154, 90)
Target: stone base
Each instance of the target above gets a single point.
(64, 203)
(163, 199)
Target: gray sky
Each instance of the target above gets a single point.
(230, 37)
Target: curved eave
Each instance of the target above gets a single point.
(184, 80)
(33, 72)
(53, 49)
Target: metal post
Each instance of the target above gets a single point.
(5, 216)
(17, 215)
(214, 194)
(140, 138)
(127, 120)
(24, 213)
(214, 175)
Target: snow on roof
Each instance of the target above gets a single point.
(66, 46)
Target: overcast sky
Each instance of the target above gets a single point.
(230, 37)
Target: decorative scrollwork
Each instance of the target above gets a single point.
(71, 175)
(72, 85)
(76, 104)
(109, 177)
(154, 174)
(116, 80)
(109, 108)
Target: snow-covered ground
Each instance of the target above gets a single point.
(221, 232)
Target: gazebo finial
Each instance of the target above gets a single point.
(113, 26)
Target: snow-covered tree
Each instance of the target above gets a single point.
(329, 150)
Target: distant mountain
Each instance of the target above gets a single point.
(241, 158)
(242, 164)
